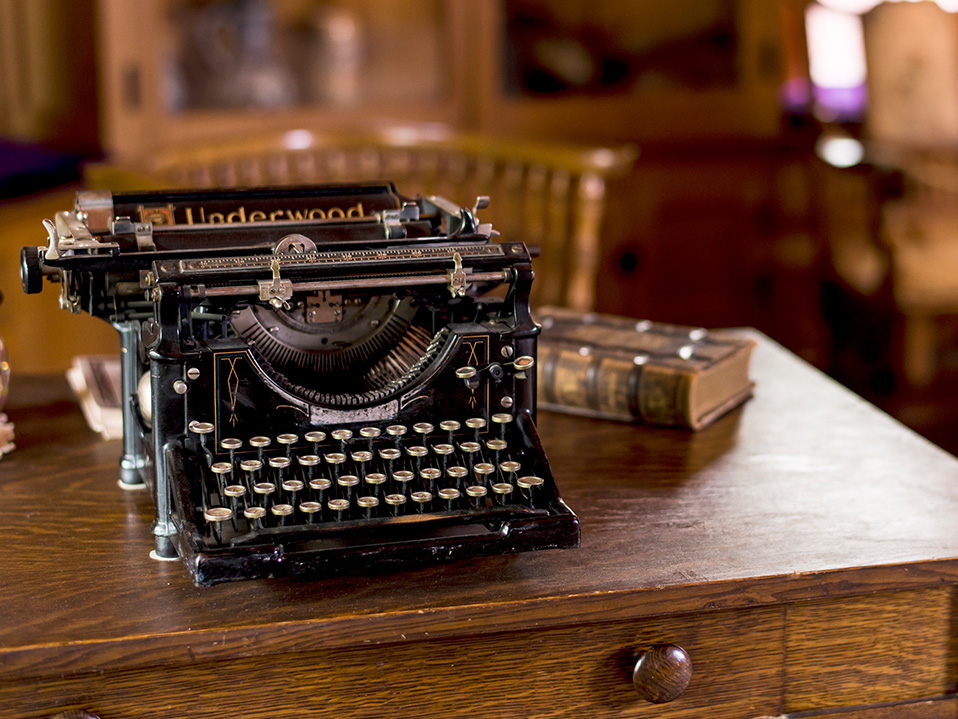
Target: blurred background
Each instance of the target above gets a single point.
(796, 165)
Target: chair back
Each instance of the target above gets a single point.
(551, 196)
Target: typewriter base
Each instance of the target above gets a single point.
(345, 551)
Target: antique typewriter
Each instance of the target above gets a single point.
(315, 378)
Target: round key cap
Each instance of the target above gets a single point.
(315, 438)
(450, 496)
(264, 490)
(482, 471)
(429, 476)
(502, 490)
(530, 485)
(422, 500)
(310, 509)
(457, 474)
(281, 512)
(402, 478)
(339, 507)
(477, 494)
(215, 516)
(369, 505)
(287, 440)
(396, 502)
(254, 516)
(375, 480)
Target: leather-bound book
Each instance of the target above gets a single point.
(640, 371)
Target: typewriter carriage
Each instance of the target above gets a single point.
(350, 323)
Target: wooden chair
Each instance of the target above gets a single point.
(551, 196)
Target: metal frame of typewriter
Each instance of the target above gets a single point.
(313, 328)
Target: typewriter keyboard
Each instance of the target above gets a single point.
(473, 468)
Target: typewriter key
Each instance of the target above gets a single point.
(530, 486)
(308, 462)
(281, 512)
(369, 504)
(280, 466)
(339, 507)
(482, 471)
(361, 458)
(319, 488)
(450, 426)
(342, 436)
(254, 517)
(215, 516)
(430, 475)
(423, 429)
(375, 480)
(422, 500)
(396, 501)
(222, 470)
(502, 490)
(235, 492)
(310, 509)
(402, 478)
(457, 473)
(288, 440)
(443, 451)
(334, 460)
(315, 438)
(476, 424)
(389, 455)
(252, 468)
(470, 452)
(496, 446)
(417, 452)
(509, 469)
(264, 490)
(292, 487)
(502, 419)
(201, 429)
(450, 495)
(348, 482)
(370, 433)
(397, 432)
(477, 495)
(230, 444)
(260, 443)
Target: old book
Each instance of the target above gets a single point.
(640, 371)
(95, 381)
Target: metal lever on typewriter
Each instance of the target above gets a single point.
(277, 291)
(496, 370)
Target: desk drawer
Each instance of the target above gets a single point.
(576, 671)
(883, 647)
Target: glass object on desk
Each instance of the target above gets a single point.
(6, 427)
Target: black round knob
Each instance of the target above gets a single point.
(662, 673)
(31, 274)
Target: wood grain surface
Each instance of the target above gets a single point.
(805, 493)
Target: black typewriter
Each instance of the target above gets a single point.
(315, 378)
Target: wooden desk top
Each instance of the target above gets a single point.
(805, 492)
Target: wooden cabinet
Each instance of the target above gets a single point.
(660, 70)
(177, 70)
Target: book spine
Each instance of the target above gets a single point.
(601, 386)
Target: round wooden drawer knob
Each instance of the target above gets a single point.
(662, 673)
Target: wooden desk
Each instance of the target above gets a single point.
(803, 550)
